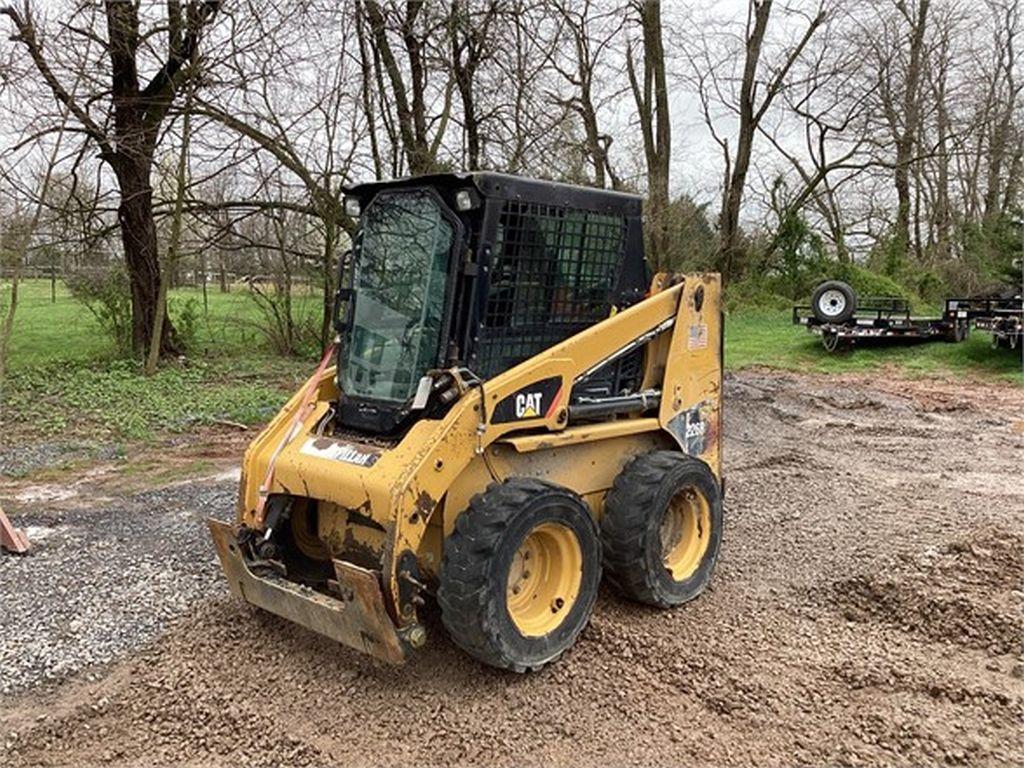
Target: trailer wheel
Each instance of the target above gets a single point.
(958, 332)
(662, 528)
(520, 574)
(833, 302)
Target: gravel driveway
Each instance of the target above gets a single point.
(867, 609)
(104, 579)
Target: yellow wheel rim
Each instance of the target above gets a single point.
(685, 533)
(544, 579)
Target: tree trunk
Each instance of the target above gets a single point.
(330, 235)
(202, 267)
(173, 245)
(651, 96)
(1013, 178)
(901, 241)
(907, 140)
(138, 238)
(7, 327)
(942, 215)
(729, 221)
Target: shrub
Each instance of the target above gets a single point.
(866, 282)
(754, 293)
(184, 315)
(107, 295)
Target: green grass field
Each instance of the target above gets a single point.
(64, 375)
(769, 338)
(47, 331)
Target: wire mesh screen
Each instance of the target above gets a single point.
(553, 273)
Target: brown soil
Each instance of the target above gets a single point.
(867, 609)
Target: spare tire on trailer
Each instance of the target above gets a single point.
(833, 302)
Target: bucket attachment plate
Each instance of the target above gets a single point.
(357, 618)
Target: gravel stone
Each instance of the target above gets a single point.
(102, 580)
(19, 460)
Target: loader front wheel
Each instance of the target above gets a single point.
(520, 574)
(662, 528)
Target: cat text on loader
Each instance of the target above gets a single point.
(515, 408)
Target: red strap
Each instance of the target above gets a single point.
(293, 430)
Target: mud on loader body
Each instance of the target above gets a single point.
(515, 407)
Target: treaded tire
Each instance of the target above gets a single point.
(478, 556)
(959, 332)
(820, 304)
(631, 527)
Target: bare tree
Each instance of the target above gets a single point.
(174, 242)
(825, 107)
(291, 96)
(416, 23)
(897, 49)
(471, 45)
(759, 85)
(24, 234)
(128, 133)
(590, 33)
(650, 93)
(1006, 88)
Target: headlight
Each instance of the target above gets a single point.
(464, 200)
(352, 207)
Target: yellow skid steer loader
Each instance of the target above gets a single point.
(516, 407)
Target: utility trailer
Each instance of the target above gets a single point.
(842, 319)
(1001, 316)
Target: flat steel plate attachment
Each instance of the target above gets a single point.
(358, 618)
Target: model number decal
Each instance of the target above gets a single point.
(698, 336)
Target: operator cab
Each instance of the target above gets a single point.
(479, 272)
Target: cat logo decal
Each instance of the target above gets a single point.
(528, 405)
(538, 400)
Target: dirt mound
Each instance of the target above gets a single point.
(962, 593)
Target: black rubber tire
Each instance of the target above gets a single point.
(477, 558)
(958, 332)
(631, 526)
(839, 317)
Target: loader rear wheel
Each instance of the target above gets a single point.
(662, 528)
(520, 574)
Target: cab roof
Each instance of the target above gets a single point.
(504, 186)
